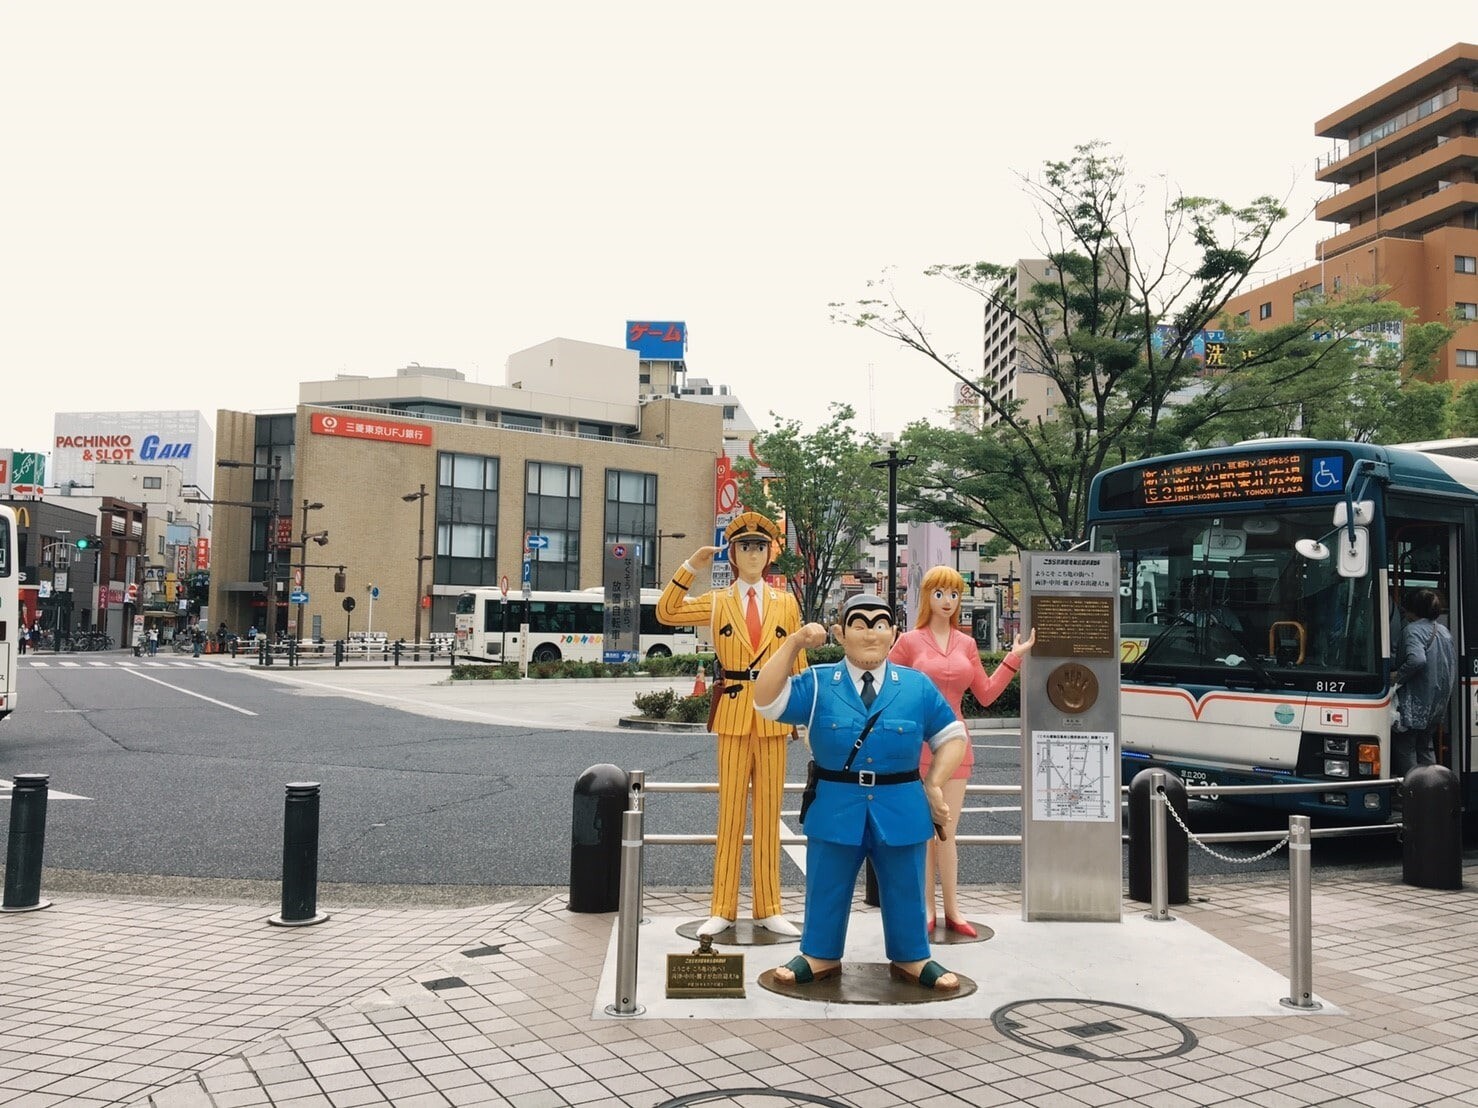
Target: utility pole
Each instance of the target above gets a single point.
(893, 463)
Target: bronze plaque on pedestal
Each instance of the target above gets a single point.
(704, 974)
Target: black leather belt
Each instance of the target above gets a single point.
(741, 674)
(866, 777)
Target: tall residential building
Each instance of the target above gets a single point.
(1405, 170)
(1011, 368)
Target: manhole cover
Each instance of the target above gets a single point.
(1093, 1029)
(779, 1097)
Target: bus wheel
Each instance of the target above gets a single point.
(546, 653)
(659, 651)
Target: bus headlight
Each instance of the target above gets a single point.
(1336, 767)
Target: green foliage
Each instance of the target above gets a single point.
(829, 493)
(1086, 324)
(692, 709)
(655, 704)
(504, 671)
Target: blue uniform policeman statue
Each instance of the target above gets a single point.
(876, 808)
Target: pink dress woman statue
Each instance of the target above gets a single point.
(950, 658)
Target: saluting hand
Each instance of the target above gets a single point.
(702, 557)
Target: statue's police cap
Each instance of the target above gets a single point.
(866, 603)
(751, 525)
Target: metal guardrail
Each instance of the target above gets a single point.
(336, 652)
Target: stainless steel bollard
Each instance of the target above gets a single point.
(1300, 917)
(636, 799)
(1159, 867)
(629, 920)
(27, 840)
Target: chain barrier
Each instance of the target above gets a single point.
(1268, 853)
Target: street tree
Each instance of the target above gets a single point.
(823, 485)
(1111, 327)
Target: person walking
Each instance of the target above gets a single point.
(153, 641)
(946, 655)
(1426, 673)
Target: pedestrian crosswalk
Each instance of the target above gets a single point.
(113, 663)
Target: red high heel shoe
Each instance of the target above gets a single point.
(961, 928)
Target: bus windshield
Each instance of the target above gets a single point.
(1227, 600)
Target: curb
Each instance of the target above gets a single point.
(642, 723)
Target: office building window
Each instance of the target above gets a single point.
(1265, 310)
(631, 516)
(153, 482)
(1466, 263)
(467, 521)
(273, 441)
(551, 508)
(1468, 359)
(1245, 317)
(520, 421)
(1467, 311)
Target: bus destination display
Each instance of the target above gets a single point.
(1214, 480)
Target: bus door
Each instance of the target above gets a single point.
(1431, 545)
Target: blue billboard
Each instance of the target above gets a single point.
(658, 341)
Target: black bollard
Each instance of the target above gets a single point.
(595, 839)
(338, 653)
(399, 646)
(24, 847)
(1177, 846)
(300, 857)
(1431, 835)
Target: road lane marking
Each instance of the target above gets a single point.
(187, 692)
(51, 794)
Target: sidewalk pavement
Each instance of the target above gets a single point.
(175, 1003)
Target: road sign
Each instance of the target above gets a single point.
(374, 592)
(528, 571)
(538, 542)
(298, 596)
(503, 584)
(348, 604)
(132, 592)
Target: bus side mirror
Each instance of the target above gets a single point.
(1354, 556)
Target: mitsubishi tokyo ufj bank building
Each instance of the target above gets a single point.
(426, 477)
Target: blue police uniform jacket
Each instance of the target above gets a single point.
(911, 710)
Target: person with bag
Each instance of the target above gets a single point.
(1426, 674)
(867, 717)
(937, 648)
(749, 620)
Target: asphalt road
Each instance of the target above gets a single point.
(176, 770)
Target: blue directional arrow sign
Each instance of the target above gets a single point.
(538, 542)
(298, 598)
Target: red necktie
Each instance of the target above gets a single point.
(752, 619)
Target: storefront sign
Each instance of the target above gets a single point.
(352, 425)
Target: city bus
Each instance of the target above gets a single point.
(12, 627)
(563, 626)
(1259, 597)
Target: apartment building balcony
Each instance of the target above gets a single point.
(1343, 165)
(1451, 161)
(1410, 220)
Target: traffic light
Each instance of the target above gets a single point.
(89, 542)
(340, 582)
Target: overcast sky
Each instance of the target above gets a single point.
(206, 204)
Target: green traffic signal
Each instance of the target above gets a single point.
(83, 544)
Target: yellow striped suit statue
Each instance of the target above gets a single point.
(748, 621)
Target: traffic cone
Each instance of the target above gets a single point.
(700, 686)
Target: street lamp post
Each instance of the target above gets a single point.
(420, 497)
(893, 463)
(303, 536)
(660, 536)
